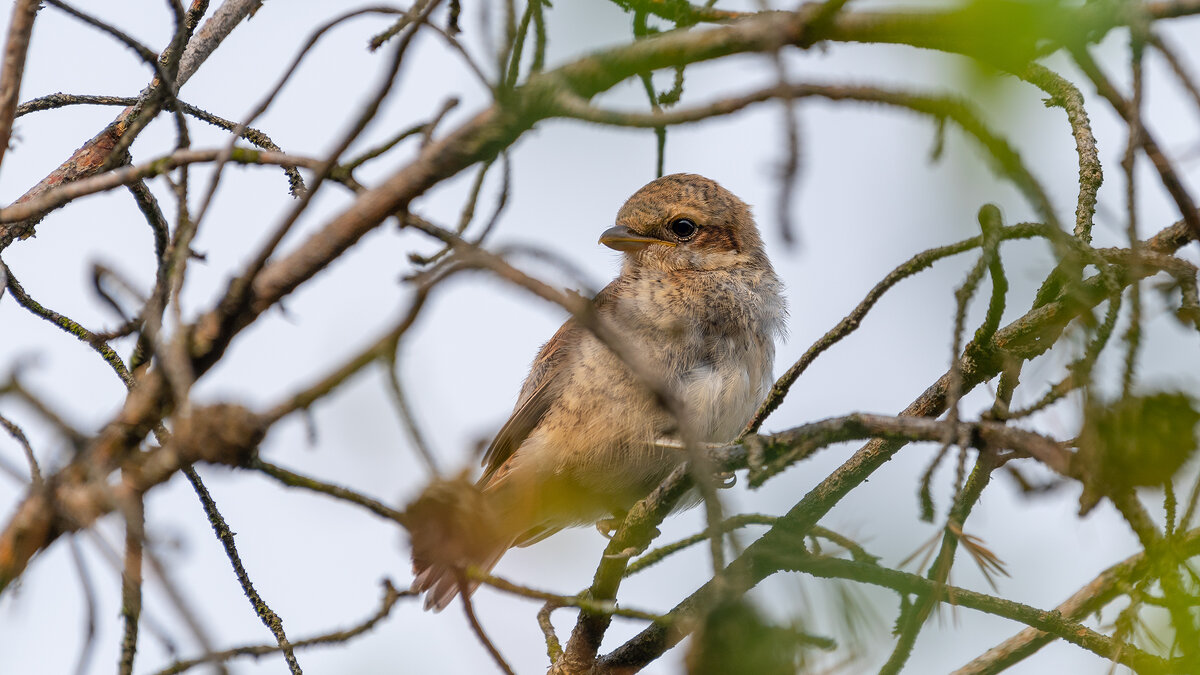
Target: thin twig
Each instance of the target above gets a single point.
(61, 100)
(1007, 160)
(163, 90)
(53, 198)
(390, 597)
(553, 646)
(400, 400)
(89, 595)
(68, 325)
(1168, 175)
(1133, 334)
(582, 601)
(469, 611)
(293, 479)
(1067, 96)
(131, 583)
(1180, 70)
(269, 618)
(382, 349)
(270, 97)
(239, 293)
(914, 614)
(35, 471)
(255, 136)
(853, 320)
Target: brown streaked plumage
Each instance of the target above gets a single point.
(699, 305)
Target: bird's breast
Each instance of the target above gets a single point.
(712, 337)
(722, 393)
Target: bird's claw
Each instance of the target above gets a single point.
(725, 479)
(608, 526)
(626, 554)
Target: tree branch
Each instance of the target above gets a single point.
(16, 46)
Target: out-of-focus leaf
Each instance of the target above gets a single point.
(1011, 33)
(1136, 441)
(736, 640)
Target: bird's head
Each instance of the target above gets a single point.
(684, 221)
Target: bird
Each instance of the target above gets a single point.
(698, 307)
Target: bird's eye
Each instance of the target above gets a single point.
(683, 228)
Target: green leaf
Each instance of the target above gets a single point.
(736, 640)
(1136, 441)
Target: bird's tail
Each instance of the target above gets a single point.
(441, 582)
(452, 526)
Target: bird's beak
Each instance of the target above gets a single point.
(622, 238)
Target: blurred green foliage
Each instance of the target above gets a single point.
(1135, 441)
(735, 639)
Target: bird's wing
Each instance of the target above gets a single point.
(538, 393)
(541, 388)
(535, 534)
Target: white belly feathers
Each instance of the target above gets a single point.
(721, 398)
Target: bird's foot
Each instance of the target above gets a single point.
(626, 554)
(673, 443)
(608, 526)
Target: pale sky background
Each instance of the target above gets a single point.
(867, 199)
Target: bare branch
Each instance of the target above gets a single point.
(212, 34)
(1124, 108)
(1071, 631)
(269, 618)
(1008, 161)
(469, 611)
(1067, 96)
(292, 479)
(68, 325)
(35, 472)
(131, 584)
(217, 434)
(390, 597)
(16, 45)
(56, 197)
(95, 154)
(853, 320)
(89, 594)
